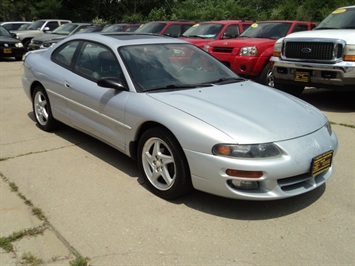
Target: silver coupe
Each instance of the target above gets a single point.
(188, 120)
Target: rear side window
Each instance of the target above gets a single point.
(232, 31)
(173, 30)
(64, 54)
(52, 25)
(300, 27)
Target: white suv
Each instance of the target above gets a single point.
(322, 58)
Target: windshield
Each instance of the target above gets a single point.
(155, 27)
(340, 19)
(65, 29)
(36, 25)
(269, 30)
(115, 28)
(4, 32)
(205, 31)
(173, 67)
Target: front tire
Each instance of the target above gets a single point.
(163, 164)
(42, 109)
(266, 76)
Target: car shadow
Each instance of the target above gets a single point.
(331, 100)
(250, 210)
(200, 201)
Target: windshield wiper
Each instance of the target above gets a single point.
(227, 80)
(177, 87)
(326, 28)
(194, 36)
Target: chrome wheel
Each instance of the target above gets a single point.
(270, 79)
(163, 164)
(40, 108)
(158, 163)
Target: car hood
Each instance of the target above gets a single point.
(344, 34)
(49, 36)
(199, 42)
(6, 39)
(248, 112)
(241, 42)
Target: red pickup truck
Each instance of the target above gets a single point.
(249, 54)
(205, 32)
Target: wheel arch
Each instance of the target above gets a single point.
(133, 145)
(33, 86)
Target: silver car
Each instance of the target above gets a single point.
(188, 120)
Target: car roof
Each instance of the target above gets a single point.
(15, 22)
(125, 38)
(225, 21)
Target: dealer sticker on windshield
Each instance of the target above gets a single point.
(321, 163)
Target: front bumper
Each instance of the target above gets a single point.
(283, 177)
(12, 52)
(339, 75)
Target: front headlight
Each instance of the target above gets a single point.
(265, 150)
(248, 51)
(19, 45)
(349, 54)
(277, 48)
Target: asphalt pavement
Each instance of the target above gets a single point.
(67, 198)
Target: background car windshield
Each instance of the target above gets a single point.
(151, 28)
(4, 32)
(272, 30)
(207, 30)
(36, 25)
(339, 19)
(172, 66)
(65, 29)
(114, 28)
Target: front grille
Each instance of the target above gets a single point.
(313, 51)
(222, 49)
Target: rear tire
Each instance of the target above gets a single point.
(42, 109)
(163, 164)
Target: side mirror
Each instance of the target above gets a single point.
(46, 29)
(111, 83)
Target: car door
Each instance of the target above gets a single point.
(93, 109)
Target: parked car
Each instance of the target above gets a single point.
(10, 46)
(202, 33)
(122, 27)
(188, 120)
(168, 28)
(322, 58)
(249, 55)
(91, 28)
(37, 28)
(59, 33)
(14, 25)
